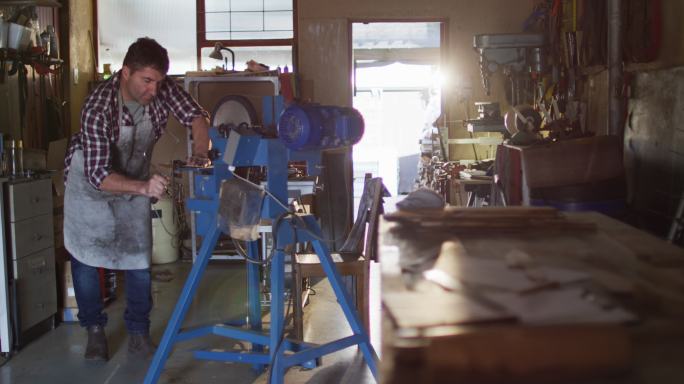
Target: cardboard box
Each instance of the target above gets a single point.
(55, 154)
(69, 315)
(68, 292)
(55, 162)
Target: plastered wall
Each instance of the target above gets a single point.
(654, 158)
(81, 56)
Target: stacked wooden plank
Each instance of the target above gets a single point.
(489, 219)
(454, 336)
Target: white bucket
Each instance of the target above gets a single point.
(164, 233)
(19, 37)
(4, 31)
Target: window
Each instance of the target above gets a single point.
(259, 30)
(273, 56)
(248, 19)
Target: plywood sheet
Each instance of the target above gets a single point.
(429, 309)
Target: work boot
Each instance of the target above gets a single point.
(96, 349)
(141, 346)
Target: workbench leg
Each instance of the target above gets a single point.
(254, 296)
(277, 316)
(187, 294)
(345, 301)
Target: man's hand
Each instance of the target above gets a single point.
(155, 186)
(118, 183)
(200, 145)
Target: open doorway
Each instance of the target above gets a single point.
(397, 89)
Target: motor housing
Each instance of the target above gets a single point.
(313, 126)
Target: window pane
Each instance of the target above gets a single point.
(278, 56)
(219, 36)
(261, 35)
(215, 5)
(246, 5)
(121, 22)
(396, 35)
(247, 21)
(218, 22)
(277, 5)
(278, 21)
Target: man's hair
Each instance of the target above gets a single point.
(146, 52)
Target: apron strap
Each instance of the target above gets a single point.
(135, 127)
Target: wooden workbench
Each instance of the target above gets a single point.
(642, 273)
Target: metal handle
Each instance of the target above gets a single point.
(37, 236)
(39, 266)
(35, 200)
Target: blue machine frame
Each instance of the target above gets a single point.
(242, 150)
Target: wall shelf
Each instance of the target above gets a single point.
(28, 57)
(38, 3)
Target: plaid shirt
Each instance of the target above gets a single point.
(100, 123)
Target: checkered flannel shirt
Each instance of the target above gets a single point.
(100, 123)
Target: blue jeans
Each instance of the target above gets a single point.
(138, 297)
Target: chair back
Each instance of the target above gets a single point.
(362, 239)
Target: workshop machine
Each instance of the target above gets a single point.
(518, 55)
(488, 118)
(225, 202)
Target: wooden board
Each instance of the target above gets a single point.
(528, 355)
(642, 269)
(644, 245)
(430, 309)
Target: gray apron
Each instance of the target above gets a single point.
(112, 230)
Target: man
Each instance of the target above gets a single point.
(107, 221)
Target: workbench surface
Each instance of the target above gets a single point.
(475, 334)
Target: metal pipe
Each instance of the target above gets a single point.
(615, 69)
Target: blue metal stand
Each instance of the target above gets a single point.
(267, 349)
(274, 341)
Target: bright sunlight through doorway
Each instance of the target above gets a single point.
(397, 89)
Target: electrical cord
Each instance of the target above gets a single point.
(290, 304)
(175, 192)
(276, 225)
(285, 207)
(5, 359)
(158, 216)
(296, 223)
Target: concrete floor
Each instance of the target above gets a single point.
(57, 356)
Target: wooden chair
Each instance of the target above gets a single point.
(351, 260)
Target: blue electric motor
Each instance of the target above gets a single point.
(313, 126)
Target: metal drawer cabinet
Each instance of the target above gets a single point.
(30, 255)
(36, 287)
(32, 235)
(29, 199)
